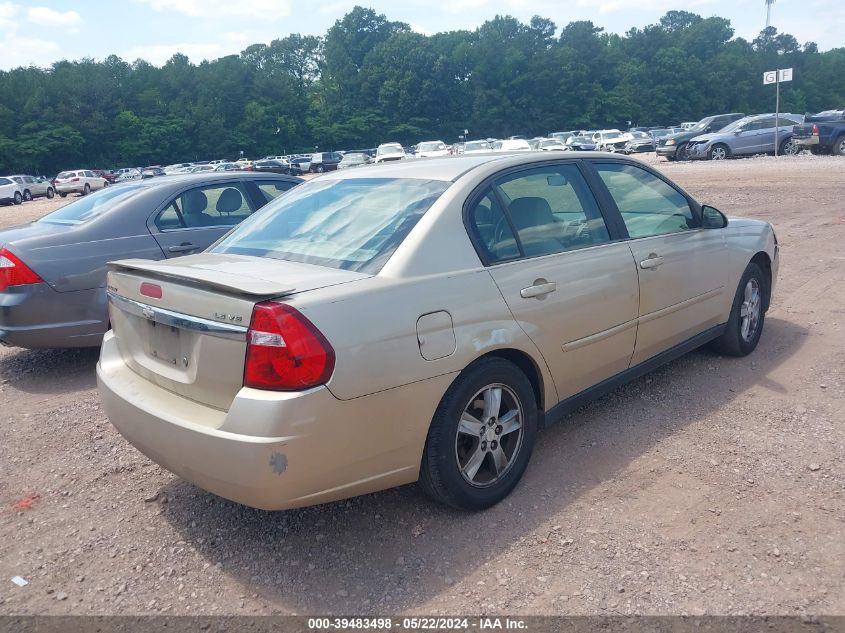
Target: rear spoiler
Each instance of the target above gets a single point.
(231, 279)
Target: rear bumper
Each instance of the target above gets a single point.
(36, 316)
(70, 188)
(274, 450)
(808, 141)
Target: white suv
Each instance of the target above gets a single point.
(79, 181)
(10, 191)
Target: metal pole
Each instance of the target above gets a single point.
(777, 112)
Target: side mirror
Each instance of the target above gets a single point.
(712, 218)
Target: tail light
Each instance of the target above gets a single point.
(13, 272)
(284, 351)
(815, 130)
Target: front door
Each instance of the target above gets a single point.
(571, 289)
(682, 268)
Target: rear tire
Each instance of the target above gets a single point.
(479, 443)
(745, 323)
(719, 152)
(839, 146)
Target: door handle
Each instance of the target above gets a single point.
(183, 247)
(539, 290)
(653, 261)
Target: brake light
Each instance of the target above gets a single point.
(284, 351)
(13, 272)
(815, 130)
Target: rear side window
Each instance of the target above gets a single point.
(492, 229)
(214, 205)
(89, 207)
(552, 210)
(272, 189)
(649, 206)
(5, 181)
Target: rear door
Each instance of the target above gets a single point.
(198, 216)
(571, 288)
(682, 268)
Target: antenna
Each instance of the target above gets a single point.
(769, 4)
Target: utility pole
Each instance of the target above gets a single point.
(769, 4)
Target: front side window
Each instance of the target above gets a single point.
(352, 224)
(649, 206)
(214, 205)
(552, 210)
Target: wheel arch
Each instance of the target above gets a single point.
(762, 259)
(528, 366)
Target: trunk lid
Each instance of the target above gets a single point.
(181, 324)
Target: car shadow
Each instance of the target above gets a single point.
(395, 550)
(49, 371)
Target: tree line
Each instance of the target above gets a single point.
(369, 80)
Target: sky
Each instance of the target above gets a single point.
(46, 31)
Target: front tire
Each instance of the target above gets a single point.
(86, 190)
(789, 148)
(745, 323)
(682, 152)
(481, 437)
(839, 146)
(719, 152)
(50, 193)
(63, 195)
(18, 199)
(27, 195)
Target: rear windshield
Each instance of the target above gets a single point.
(66, 174)
(352, 224)
(91, 206)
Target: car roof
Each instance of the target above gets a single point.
(205, 177)
(450, 168)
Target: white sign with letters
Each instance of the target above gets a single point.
(777, 76)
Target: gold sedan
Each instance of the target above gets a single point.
(420, 321)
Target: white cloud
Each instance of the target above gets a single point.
(8, 16)
(26, 51)
(258, 9)
(45, 16)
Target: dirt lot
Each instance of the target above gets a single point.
(714, 485)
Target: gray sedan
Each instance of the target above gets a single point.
(751, 135)
(53, 271)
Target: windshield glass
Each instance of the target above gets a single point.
(476, 145)
(432, 147)
(390, 149)
(353, 224)
(92, 205)
(732, 126)
(353, 158)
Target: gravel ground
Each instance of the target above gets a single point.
(713, 485)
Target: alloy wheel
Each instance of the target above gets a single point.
(749, 311)
(718, 153)
(790, 148)
(489, 435)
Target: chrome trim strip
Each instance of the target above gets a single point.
(645, 318)
(598, 336)
(177, 319)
